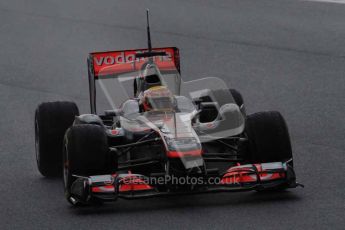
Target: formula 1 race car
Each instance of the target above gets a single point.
(159, 135)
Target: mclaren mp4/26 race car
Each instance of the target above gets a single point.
(158, 135)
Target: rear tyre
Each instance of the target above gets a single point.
(268, 137)
(52, 119)
(221, 96)
(86, 153)
(237, 97)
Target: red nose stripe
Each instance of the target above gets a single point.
(177, 154)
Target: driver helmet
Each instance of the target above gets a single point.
(157, 98)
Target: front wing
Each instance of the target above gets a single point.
(130, 186)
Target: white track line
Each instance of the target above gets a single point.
(328, 1)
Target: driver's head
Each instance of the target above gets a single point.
(157, 98)
(151, 76)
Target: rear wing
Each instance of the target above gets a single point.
(113, 63)
(119, 62)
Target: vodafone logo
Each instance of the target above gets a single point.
(114, 59)
(123, 57)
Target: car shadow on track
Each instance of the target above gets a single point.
(189, 201)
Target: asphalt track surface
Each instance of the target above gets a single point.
(282, 55)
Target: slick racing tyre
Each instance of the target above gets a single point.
(268, 138)
(269, 141)
(52, 119)
(221, 96)
(238, 99)
(85, 153)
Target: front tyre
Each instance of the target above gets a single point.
(86, 153)
(268, 137)
(52, 119)
(269, 141)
